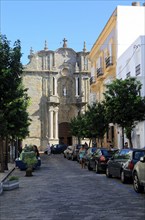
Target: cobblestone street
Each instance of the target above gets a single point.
(61, 190)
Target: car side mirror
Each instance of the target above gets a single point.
(142, 159)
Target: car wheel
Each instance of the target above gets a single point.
(89, 167)
(123, 177)
(108, 173)
(97, 168)
(136, 184)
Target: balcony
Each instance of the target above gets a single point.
(52, 99)
(109, 61)
(128, 75)
(92, 80)
(100, 72)
(137, 70)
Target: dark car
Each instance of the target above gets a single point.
(99, 159)
(75, 153)
(58, 148)
(89, 155)
(122, 163)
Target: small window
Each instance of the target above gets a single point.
(138, 154)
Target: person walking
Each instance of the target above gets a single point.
(126, 145)
(48, 149)
(82, 153)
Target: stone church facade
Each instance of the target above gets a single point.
(58, 84)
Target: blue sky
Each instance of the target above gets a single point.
(34, 21)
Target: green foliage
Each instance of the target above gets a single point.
(96, 121)
(123, 103)
(29, 158)
(14, 100)
(93, 124)
(11, 178)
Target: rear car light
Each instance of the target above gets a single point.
(102, 158)
(131, 165)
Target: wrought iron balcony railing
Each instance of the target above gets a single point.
(109, 61)
(92, 80)
(99, 71)
(137, 69)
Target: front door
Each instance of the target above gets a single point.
(64, 133)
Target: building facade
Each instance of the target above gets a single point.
(132, 64)
(123, 27)
(58, 84)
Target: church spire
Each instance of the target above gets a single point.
(84, 49)
(31, 51)
(45, 46)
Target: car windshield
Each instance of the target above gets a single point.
(125, 154)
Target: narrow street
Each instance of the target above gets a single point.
(61, 190)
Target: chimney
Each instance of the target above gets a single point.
(135, 3)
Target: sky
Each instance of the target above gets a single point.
(34, 21)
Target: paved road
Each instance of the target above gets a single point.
(61, 190)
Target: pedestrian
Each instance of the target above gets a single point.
(82, 156)
(36, 151)
(86, 145)
(126, 145)
(48, 149)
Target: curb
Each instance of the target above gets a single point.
(8, 174)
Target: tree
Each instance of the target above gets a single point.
(14, 119)
(93, 124)
(77, 126)
(124, 105)
(96, 121)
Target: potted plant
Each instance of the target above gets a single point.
(11, 183)
(30, 160)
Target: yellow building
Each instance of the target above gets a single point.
(103, 67)
(122, 28)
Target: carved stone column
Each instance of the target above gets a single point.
(56, 123)
(76, 78)
(51, 123)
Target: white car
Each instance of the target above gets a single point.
(68, 152)
(139, 175)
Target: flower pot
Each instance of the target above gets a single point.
(10, 185)
(1, 187)
(29, 172)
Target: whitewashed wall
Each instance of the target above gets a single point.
(134, 55)
(130, 24)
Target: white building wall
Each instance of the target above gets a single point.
(134, 55)
(130, 24)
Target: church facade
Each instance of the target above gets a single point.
(58, 85)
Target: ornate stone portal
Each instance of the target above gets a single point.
(58, 83)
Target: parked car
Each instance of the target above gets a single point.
(58, 148)
(29, 156)
(98, 161)
(68, 152)
(122, 163)
(139, 175)
(89, 154)
(75, 153)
